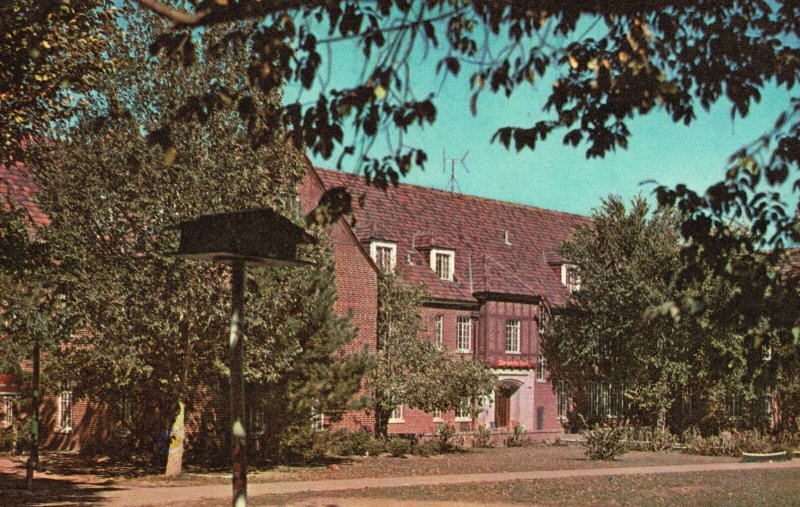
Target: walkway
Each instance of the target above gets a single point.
(182, 495)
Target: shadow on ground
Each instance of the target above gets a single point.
(49, 491)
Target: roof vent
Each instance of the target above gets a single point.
(505, 238)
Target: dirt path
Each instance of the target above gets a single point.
(183, 495)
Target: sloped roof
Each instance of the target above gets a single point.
(419, 218)
(16, 185)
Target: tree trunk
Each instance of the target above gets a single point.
(176, 445)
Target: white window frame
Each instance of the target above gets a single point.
(65, 410)
(438, 330)
(561, 399)
(397, 415)
(451, 254)
(541, 365)
(513, 336)
(437, 415)
(576, 283)
(464, 326)
(464, 405)
(373, 252)
(255, 413)
(318, 421)
(8, 410)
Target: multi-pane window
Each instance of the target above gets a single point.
(383, 258)
(65, 409)
(464, 334)
(463, 411)
(318, 421)
(540, 366)
(606, 400)
(397, 414)
(561, 398)
(512, 336)
(570, 277)
(8, 410)
(733, 405)
(384, 254)
(437, 414)
(255, 415)
(442, 263)
(438, 330)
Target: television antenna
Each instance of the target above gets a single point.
(452, 184)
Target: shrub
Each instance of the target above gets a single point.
(7, 439)
(446, 438)
(606, 443)
(517, 437)
(399, 447)
(483, 437)
(650, 439)
(301, 445)
(375, 447)
(350, 443)
(426, 449)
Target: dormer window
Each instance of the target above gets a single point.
(570, 278)
(384, 254)
(443, 262)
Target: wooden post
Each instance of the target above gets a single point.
(238, 436)
(33, 458)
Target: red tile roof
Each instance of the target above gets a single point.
(419, 218)
(16, 185)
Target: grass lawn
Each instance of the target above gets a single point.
(740, 488)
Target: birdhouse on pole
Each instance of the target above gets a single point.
(258, 237)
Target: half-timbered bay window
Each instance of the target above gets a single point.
(384, 254)
(443, 262)
(464, 334)
(512, 336)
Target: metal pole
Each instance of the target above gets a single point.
(33, 458)
(238, 436)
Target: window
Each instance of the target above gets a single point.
(397, 414)
(464, 410)
(437, 414)
(464, 335)
(318, 421)
(255, 415)
(733, 405)
(540, 366)
(606, 400)
(512, 336)
(570, 277)
(561, 398)
(384, 254)
(766, 406)
(438, 330)
(443, 263)
(65, 410)
(8, 410)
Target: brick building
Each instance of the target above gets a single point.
(489, 265)
(492, 271)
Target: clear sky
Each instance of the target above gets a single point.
(555, 176)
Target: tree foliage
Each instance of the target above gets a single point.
(153, 326)
(412, 371)
(618, 330)
(52, 54)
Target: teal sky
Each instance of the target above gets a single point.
(555, 176)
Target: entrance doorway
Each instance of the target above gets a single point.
(502, 407)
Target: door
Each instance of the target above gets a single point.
(502, 407)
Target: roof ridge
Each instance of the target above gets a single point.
(470, 196)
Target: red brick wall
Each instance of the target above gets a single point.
(92, 425)
(356, 289)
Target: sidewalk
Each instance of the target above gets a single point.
(182, 495)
